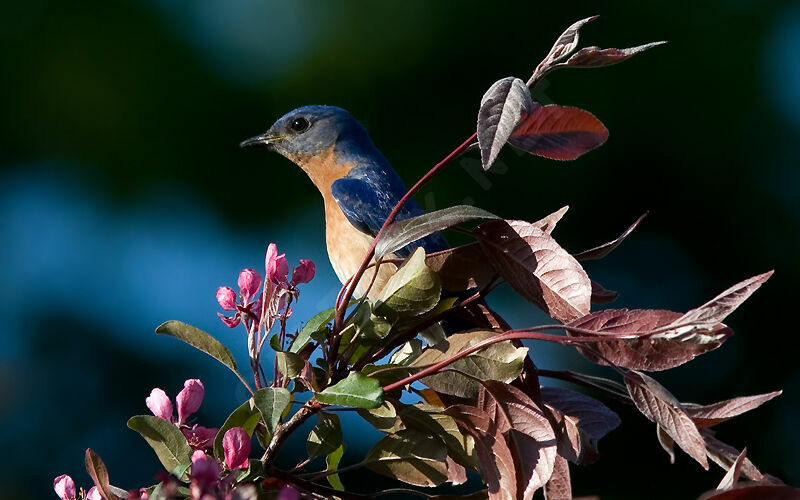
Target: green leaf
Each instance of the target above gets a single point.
(99, 473)
(332, 463)
(400, 234)
(384, 418)
(413, 290)
(275, 343)
(245, 416)
(198, 339)
(289, 363)
(318, 323)
(428, 419)
(407, 353)
(411, 456)
(356, 390)
(167, 440)
(326, 437)
(501, 361)
(272, 402)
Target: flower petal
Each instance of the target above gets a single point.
(304, 272)
(65, 487)
(277, 267)
(230, 321)
(94, 494)
(249, 283)
(236, 445)
(159, 403)
(205, 470)
(189, 399)
(226, 298)
(200, 437)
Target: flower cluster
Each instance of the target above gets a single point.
(188, 402)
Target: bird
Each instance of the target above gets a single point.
(358, 185)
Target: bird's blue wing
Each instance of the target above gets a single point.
(366, 200)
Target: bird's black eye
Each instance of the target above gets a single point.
(300, 125)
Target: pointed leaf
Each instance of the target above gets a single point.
(326, 437)
(725, 456)
(400, 234)
(602, 296)
(316, 324)
(167, 440)
(708, 415)
(501, 361)
(584, 421)
(332, 463)
(594, 57)
(271, 402)
(566, 43)
(661, 407)
(559, 487)
(99, 474)
(461, 268)
(651, 352)
(558, 132)
(536, 267)
(666, 442)
(429, 419)
(754, 491)
(245, 416)
(355, 390)
(601, 251)
(732, 476)
(198, 339)
(548, 223)
(502, 106)
(290, 364)
(411, 456)
(413, 290)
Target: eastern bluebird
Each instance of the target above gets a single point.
(357, 184)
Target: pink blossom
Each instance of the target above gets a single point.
(140, 494)
(159, 404)
(277, 267)
(304, 272)
(200, 437)
(249, 283)
(94, 494)
(236, 444)
(65, 487)
(226, 298)
(189, 399)
(288, 493)
(205, 471)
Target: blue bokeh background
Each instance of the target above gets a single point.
(125, 201)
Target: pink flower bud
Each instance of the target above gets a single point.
(189, 399)
(277, 267)
(65, 487)
(159, 404)
(226, 298)
(288, 493)
(205, 470)
(94, 494)
(304, 272)
(230, 321)
(236, 444)
(249, 283)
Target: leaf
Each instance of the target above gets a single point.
(754, 491)
(600, 295)
(529, 434)
(651, 352)
(584, 421)
(595, 57)
(708, 415)
(400, 234)
(732, 476)
(501, 361)
(548, 223)
(407, 353)
(601, 251)
(536, 267)
(245, 416)
(413, 290)
(666, 443)
(725, 456)
(271, 402)
(355, 390)
(383, 418)
(167, 440)
(429, 419)
(316, 324)
(411, 456)
(661, 407)
(198, 339)
(326, 437)
(559, 487)
(566, 43)
(461, 268)
(332, 463)
(99, 474)
(558, 132)
(710, 314)
(502, 106)
(290, 364)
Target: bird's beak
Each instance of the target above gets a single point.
(265, 139)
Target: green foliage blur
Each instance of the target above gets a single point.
(131, 98)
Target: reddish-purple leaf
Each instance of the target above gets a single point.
(565, 44)
(661, 407)
(725, 456)
(536, 267)
(666, 443)
(650, 353)
(717, 309)
(548, 223)
(583, 421)
(708, 415)
(461, 268)
(99, 474)
(593, 57)
(456, 473)
(558, 132)
(559, 487)
(602, 296)
(754, 491)
(601, 251)
(732, 476)
(502, 107)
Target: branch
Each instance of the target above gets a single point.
(285, 429)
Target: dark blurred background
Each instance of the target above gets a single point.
(125, 200)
